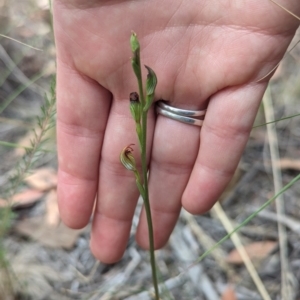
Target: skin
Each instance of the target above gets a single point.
(206, 54)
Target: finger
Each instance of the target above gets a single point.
(82, 109)
(117, 194)
(175, 148)
(224, 134)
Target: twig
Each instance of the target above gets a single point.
(292, 223)
(286, 291)
(120, 279)
(17, 73)
(186, 249)
(170, 284)
(285, 9)
(207, 242)
(218, 210)
(18, 91)
(10, 38)
(246, 221)
(269, 73)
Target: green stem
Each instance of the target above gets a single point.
(143, 140)
(139, 134)
(147, 206)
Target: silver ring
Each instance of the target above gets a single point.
(181, 115)
(182, 112)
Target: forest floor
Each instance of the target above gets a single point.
(47, 260)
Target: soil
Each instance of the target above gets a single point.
(43, 264)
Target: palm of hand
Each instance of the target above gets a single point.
(198, 50)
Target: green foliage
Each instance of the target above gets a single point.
(135, 107)
(275, 121)
(45, 122)
(150, 88)
(17, 92)
(135, 61)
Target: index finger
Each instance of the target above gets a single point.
(82, 112)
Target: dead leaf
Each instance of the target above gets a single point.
(229, 294)
(256, 250)
(289, 163)
(23, 199)
(42, 179)
(52, 213)
(54, 237)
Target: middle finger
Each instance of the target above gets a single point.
(175, 148)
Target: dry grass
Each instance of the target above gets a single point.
(44, 273)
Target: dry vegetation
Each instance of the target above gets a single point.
(46, 260)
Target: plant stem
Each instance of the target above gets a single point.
(147, 206)
(143, 141)
(139, 106)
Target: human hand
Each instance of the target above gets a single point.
(205, 54)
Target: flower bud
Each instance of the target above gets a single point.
(135, 107)
(134, 43)
(151, 81)
(135, 61)
(150, 87)
(134, 97)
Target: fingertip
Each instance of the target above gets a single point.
(196, 205)
(104, 254)
(109, 238)
(75, 219)
(204, 189)
(70, 220)
(75, 200)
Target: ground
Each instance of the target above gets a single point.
(45, 260)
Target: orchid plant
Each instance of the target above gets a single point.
(139, 106)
